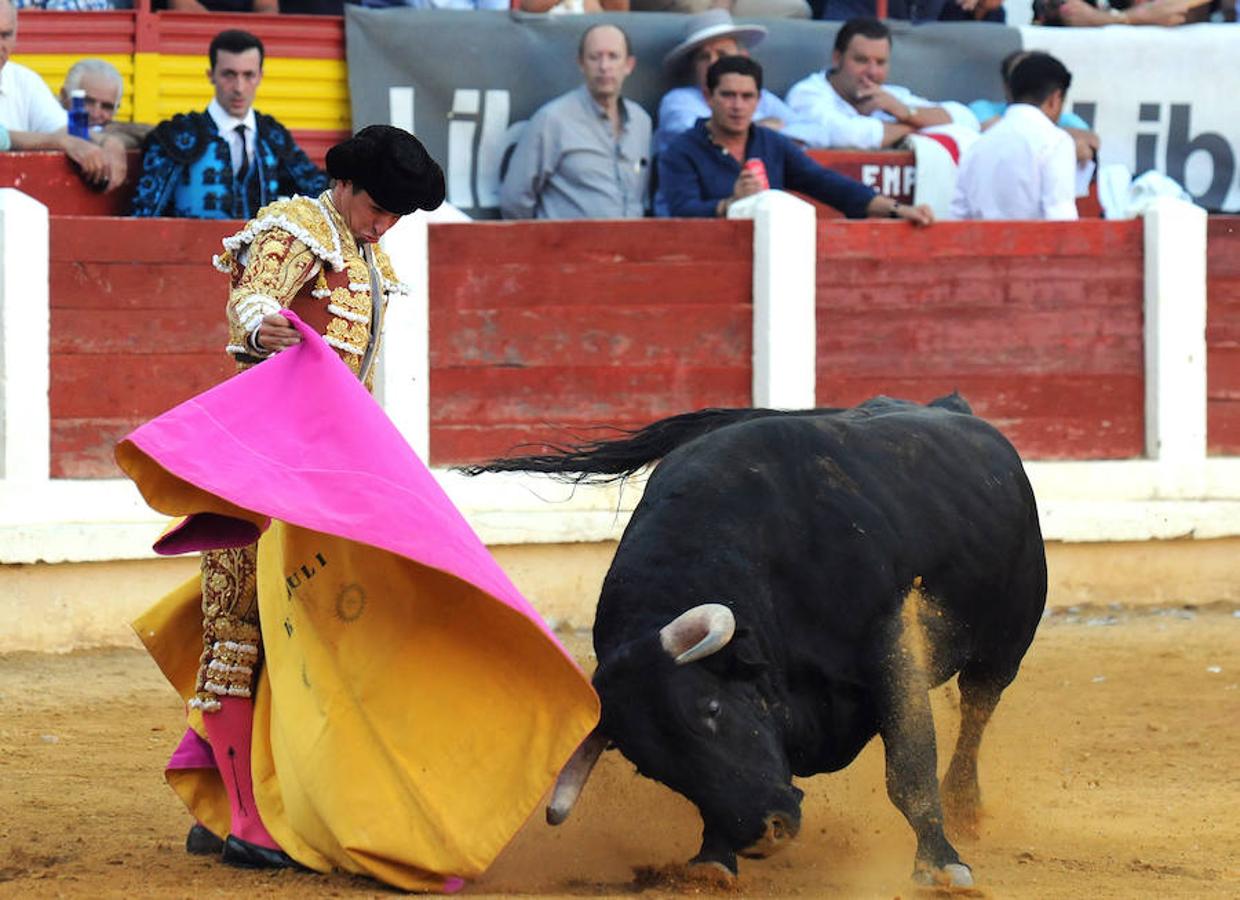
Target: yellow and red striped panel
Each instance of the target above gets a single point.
(163, 60)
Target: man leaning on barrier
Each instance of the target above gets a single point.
(1023, 167)
(33, 120)
(710, 167)
(104, 89)
(852, 105)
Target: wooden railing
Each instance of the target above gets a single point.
(540, 326)
(1038, 324)
(1223, 335)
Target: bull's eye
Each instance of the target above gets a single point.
(713, 709)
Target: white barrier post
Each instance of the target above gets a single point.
(784, 335)
(25, 422)
(403, 382)
(1175, 333)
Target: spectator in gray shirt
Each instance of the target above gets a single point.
(586, 154)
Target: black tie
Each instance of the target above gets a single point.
(244, 168)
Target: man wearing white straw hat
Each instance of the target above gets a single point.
(709, 36)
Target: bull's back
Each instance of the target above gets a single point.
(821, 522)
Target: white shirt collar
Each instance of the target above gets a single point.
(1028, 112)
(226, 122)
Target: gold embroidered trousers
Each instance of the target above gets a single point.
(230, 633)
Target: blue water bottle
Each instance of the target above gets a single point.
(79, 119)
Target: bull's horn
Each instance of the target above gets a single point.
(573, 777)
(699, 632)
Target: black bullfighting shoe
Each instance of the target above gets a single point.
(245, 855)
(201, 841)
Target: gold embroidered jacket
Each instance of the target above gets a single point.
(298, 254)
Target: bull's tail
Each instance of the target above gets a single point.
(610, 460)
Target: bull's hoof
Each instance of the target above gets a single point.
(689, 878)
(711, 870)
(952, 875)
(723, 863)
(780, 830)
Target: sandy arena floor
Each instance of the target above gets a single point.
(1111, 770)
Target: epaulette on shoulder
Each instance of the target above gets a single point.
(303, 217)
(184, 137)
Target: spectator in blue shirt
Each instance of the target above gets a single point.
(710, 36)
(701, 173)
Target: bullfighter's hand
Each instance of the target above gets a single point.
(276, 333)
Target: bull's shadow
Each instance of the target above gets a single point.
(793, 584)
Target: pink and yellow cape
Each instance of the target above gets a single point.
(413, 708)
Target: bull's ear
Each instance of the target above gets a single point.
(697, 633)
(747, 655)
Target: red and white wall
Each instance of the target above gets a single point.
(1107, 351)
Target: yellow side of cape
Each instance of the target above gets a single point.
(406, 724)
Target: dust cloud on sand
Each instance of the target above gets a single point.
(1110, 770)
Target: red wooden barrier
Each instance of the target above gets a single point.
(894, 173)
(53, 180)
(1038, 325)
(540, 325)
(1223, 335)
(890, 172)
(544, 324)
(137, 326)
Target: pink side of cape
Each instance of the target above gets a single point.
(298, 438)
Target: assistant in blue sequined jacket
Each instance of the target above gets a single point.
(187, 171)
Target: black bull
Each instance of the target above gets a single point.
(792, 584)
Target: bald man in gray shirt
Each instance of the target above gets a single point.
(586, 154)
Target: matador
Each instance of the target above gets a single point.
(320, 258)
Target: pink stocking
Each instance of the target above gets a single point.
(229, 730)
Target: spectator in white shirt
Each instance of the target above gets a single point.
(1024, 166)
(853, 106)
(35, 121)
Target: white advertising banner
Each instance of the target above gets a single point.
(467, 82)
(1160, 98)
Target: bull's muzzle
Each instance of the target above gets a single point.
(779, 832)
